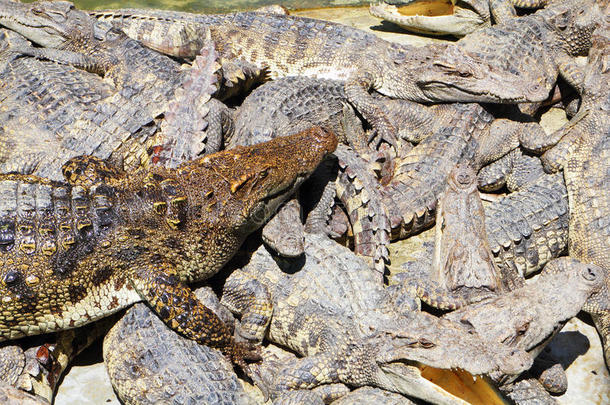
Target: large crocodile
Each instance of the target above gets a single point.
(77, 251)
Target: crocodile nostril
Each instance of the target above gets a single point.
(590, 273)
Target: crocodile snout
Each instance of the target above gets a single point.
(592, 274)
(323, 138)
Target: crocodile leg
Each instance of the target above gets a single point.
(158, 284)
(245, 295)
(502, 10)
(356, 91)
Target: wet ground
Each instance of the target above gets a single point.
(578, 346)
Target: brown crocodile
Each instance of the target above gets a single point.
(538, 48)
(466, 16)
(74, 252)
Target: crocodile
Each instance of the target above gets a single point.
(148, 363)
(463, 269)
(583, 153)
(538, 47)
(73, 252)
(528, 317)
(466, 16)
(298, 46)
(286, 105)
(452, 133)
(328, 308)
(53, 112)
(525, 230)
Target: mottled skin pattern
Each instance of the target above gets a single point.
(334, 312)
(528, 317)
(72, 37)
(515, 170)
(467, 16)
(74, 252)
(525, 230)
(584, 153)
(463, 268)
(148, 363)
(298, 46)
(51, 112)
(54, 112)
(529, 227)
(450, 133)
(538, 47)
(285, 105)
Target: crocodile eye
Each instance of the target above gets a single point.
(11, 277)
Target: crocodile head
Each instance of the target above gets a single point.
(456, 76)
(574, 22)
(247, 184)
(424, 339)
(48, 23)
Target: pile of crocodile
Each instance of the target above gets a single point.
(277, 160)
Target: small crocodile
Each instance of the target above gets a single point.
(329, 308)
(148, 363)
(467, 16)
(74, 252)
(463, 269)
(538, 47)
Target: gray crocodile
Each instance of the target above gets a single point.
(328, 308)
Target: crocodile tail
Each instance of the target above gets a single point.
(357, 190)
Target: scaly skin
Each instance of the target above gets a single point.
(584, 153)
(538, 47)
(525, 230)
(527, 317)
(298, 46)
(515, 170)
(54, 112)
(467, 16)
(72, 37)
(284, 106)
(148, 363)
(73, 253)
(334, 312)
(458, 132)
(463, 269)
